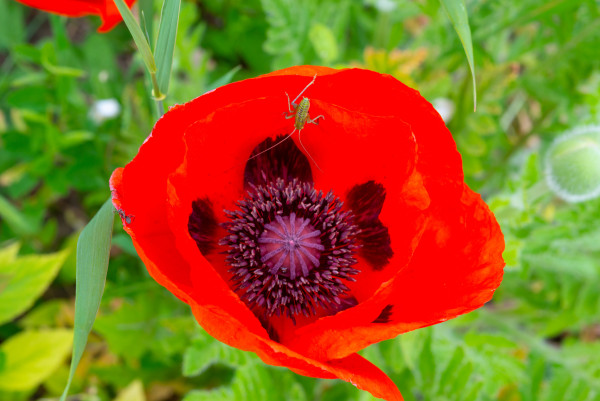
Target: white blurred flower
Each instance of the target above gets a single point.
(385, 6)
(103, 76)
(104, 109)
(445, 107)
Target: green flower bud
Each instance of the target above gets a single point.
(573, 164)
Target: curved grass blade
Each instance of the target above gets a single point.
(146, 15)
(93, 249)
(457, 11)
(138, 35)
(165, 43)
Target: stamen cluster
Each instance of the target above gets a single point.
(290, 248)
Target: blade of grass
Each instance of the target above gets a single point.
(93, 249)
(142, 44)
(165, 44)
(146, 8)
(457, 11)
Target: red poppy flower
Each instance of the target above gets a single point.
(106, 9)
(307, 265)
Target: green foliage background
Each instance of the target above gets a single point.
(538, 74)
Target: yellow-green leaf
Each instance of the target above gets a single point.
(32, 356)
(24, 279)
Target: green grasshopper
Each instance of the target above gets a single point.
(300, 112)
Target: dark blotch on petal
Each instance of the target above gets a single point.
(284, 161)
(376, 244)
(385, 315)
(264, 321)
(366, 201)
(202, 225)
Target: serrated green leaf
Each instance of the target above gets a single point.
(462, 378)
(165, 44)
(93, 249)
(138, 36)
(451, 368)
(32, 356)
(427, 361)
(204, 353)
(475, 392)
(561, 381)
(457, 11)
(220, 394)
(536, 368)
(411, 344)
(24, 279)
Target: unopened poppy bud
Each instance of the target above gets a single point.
(573, 164)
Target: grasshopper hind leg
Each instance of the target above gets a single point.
(314, 120)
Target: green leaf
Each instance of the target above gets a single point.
(255, 382)
(15, 219)
(457, 11)
(205, 352)
(165, 44)
(224, 80)
(133, 392)
(427, 361)
(24, 279)
(323, 41)
(32, 356)
(92, 264)
(449, 372)
(219, 394)
(138, 36)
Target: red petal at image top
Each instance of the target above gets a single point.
(306, 245)
(106, 9)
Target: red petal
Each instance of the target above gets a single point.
(457, 263)
(106, 9)
(456, 268)
(354, 368)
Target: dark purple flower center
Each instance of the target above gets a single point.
(290, 248)
(291, 245)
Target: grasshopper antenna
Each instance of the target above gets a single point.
(306, 151)
(271, 147)
(305, 88)
(295, 129)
